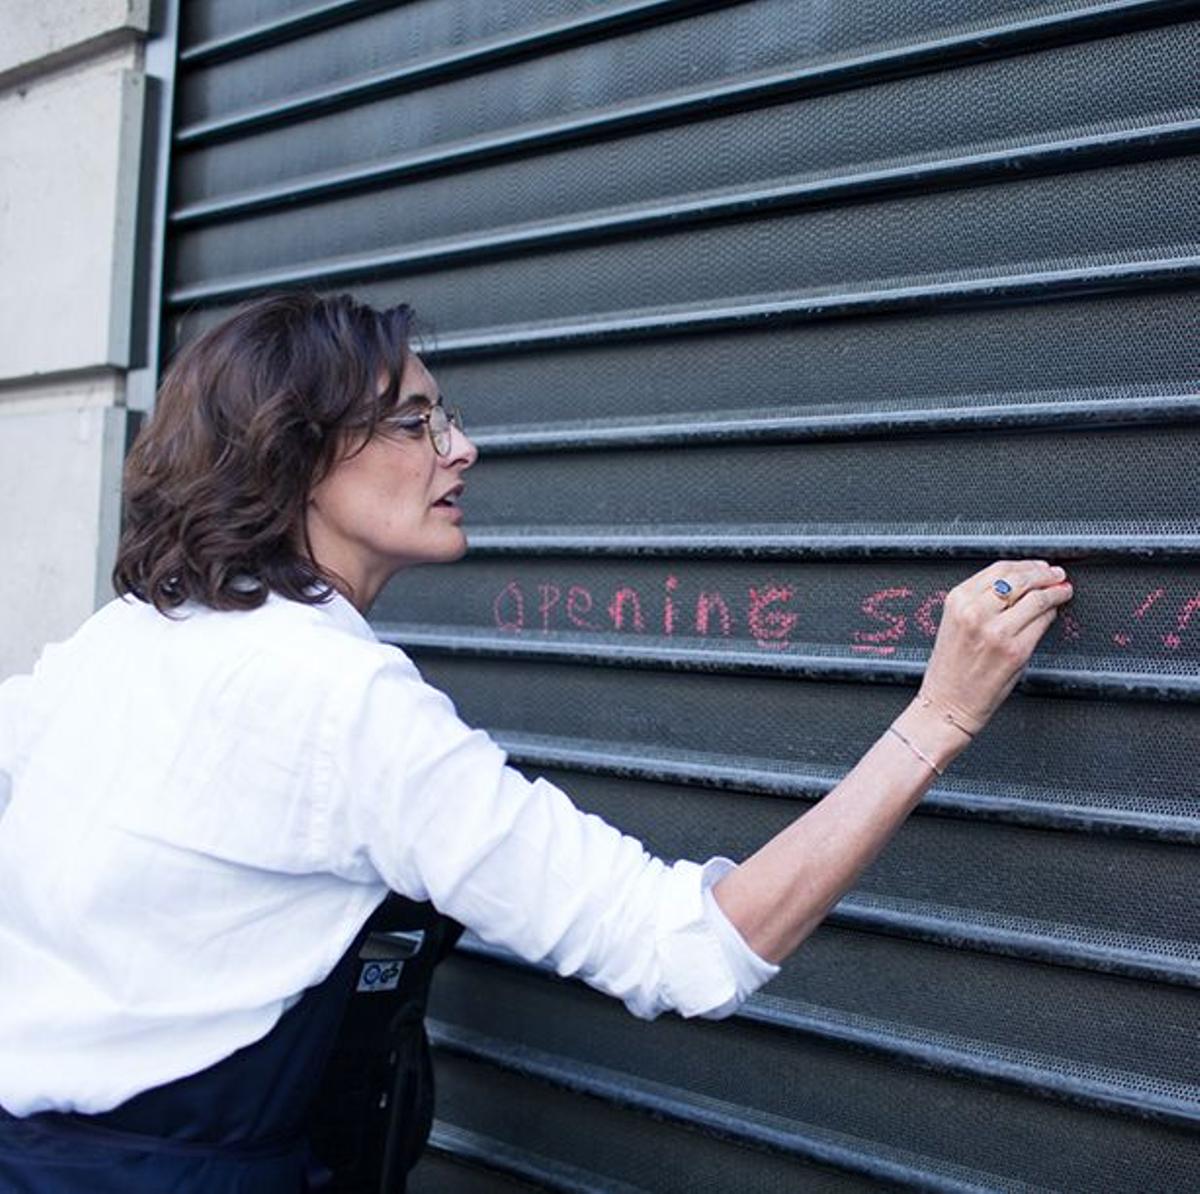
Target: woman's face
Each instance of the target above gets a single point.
(393, 501)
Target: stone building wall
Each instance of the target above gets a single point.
(72, 96)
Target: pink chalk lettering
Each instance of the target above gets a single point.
(705, 604)
(579, 605)
(772, 618)
(895, 624)
(669, 585)
(510, 599)
(1069, 629)
(924, 616)
(616, 609)
(548, 596)
(771, 628)
(1174, 640)
(1151, 598)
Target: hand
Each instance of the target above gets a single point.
(985, 640)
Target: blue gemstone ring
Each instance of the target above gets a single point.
(1004, 590)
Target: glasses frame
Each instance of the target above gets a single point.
(440, 420)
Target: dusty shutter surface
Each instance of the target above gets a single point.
(772, 321)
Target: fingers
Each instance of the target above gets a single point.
(1028, 637)
(986, 637)
(1038, 589)
(1005, 569)
(977, 601)
(1015, 578)
(1035, 603)
(1020, 577)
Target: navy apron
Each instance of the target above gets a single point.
(336, 1098)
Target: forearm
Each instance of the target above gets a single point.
(783, 891)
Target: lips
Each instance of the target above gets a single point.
(451, 497)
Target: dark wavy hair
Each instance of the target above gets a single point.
(250, 416)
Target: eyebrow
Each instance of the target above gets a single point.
(409, 400)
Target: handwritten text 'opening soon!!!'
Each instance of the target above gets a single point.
(770, 614)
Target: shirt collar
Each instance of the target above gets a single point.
(347, 617)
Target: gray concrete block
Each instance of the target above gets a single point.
(69, 150)
(40, 35)
(60, 462)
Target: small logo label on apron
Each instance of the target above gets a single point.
(379, 976)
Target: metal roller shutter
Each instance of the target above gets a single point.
(772, 320)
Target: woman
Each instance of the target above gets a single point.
(217, 780)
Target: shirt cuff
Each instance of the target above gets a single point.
(749, 970)
(707, 969)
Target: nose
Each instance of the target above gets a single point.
(463, 453)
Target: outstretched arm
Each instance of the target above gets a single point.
(783, 891)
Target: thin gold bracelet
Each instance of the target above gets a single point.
(944, 713)
(917, 751)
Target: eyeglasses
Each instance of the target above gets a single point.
(439, 419)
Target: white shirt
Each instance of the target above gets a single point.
(198, 814)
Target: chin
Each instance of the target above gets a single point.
(449, 552)
(443, 551)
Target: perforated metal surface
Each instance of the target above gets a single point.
(1097, 87)
(1079, 748)
(811, 1084)
(774, 319)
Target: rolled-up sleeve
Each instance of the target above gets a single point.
(430, 806)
